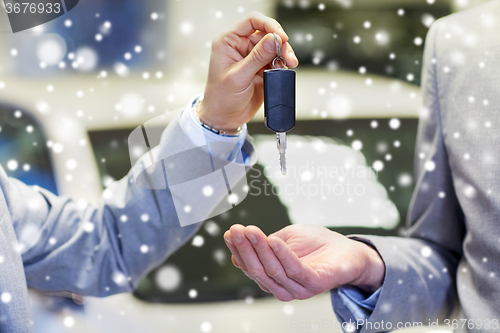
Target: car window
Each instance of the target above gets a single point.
(384, 38)
(202, 270)
(23, 149)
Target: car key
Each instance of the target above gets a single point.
(279, 102)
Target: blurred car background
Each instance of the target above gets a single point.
(73, 89)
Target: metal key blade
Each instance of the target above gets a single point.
(281, 143)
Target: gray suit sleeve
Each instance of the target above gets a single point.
(419, 283)
(104, 249)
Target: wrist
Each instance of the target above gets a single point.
(373, 274)
(214, 121)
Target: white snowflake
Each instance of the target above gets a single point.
(208, 190)
(88, 226)
(168, 278)
(69, 321)
(394, 123)
(198, 241)
(6, 297)
(357, 145)
(426, 252)
(378, 165)
(206, 327)
(430, 165)
(12, 165)
(212, 228)
(193, 293)
(288, 309)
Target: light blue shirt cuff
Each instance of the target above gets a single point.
(202, 137)
(357, 303)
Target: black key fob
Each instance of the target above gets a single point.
(279, 99)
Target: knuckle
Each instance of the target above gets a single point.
(245, 271)
(253, 14)
(260, 247)
(274, 273)
(231, 40)
(256, 272)
(294, 274)
(306, 281)
(257, 56)
(219, 38)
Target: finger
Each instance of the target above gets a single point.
(248, 275)
(271, 264)
(286, 49)
(256, 37)
(256, 21)
(262, 286)
(294, 268)
(240, 265)
(260, 56)
(243, 45)
(233, 260)
(253, 265)
(228, 239)
(288, 54)
(238, 262)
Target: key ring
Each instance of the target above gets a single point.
(278, 53)
(278, 50)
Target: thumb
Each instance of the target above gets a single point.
(260, 56)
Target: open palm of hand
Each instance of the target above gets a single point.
(334, 259)
(301, 261)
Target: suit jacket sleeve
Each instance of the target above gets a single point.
(419, 282)
(105, 249)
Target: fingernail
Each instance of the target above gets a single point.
(228, 239)
(252, 238)
(275, 246)
(292, 55)
(237, 238)
(269, 44)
